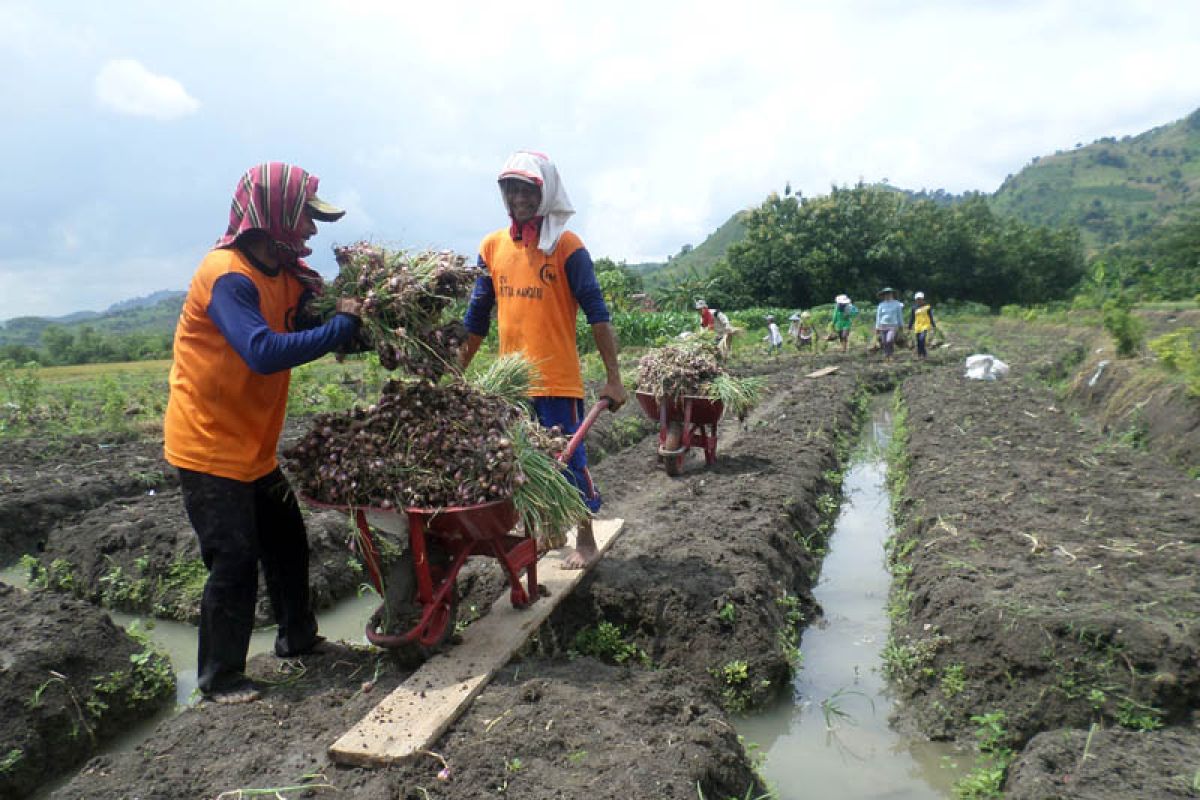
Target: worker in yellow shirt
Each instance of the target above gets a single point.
(920, 321)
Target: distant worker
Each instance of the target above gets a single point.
(889, 318)
(235, 346)
(844, 313)
(801, 331)
(537, 275)
(920, 321)
(706, 315)
(774, 338)
(725, 331)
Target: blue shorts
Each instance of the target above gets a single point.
(567, 413)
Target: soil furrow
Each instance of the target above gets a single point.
(1045, 573)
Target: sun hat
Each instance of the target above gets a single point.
(700, 303)
(770, 317)
(805, 314)
(919, 296)
(842, 299)
(794, 317)
(885, 290)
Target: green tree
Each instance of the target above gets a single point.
(856, 240)
(59, 343)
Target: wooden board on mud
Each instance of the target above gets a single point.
(419, 711)
(822, 372)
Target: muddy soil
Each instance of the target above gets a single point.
(550, 730)
(46, 482)
(106, 520)
(139, 554)
(1118, 765)
(1134, 399)
(69, 680)
(1043, 570)
(556, 723)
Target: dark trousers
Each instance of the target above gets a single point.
(921, 351)
(241, 525)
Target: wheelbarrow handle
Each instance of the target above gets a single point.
(581, 433)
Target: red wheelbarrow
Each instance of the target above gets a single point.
(683, 423)
(420, 582)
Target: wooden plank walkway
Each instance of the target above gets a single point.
(415, 715)
(822, 372)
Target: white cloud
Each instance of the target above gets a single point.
(125, 86)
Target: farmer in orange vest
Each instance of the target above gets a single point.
(537, 276)
(236, 342)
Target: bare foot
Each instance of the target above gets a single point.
(242, 692)
(585, 551)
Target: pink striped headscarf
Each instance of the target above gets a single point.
(271, 197)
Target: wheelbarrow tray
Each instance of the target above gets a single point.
(705, 410)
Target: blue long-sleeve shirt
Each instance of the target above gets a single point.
(234, 309)
(889, 312)
(581, 276)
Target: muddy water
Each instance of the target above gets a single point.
(833, 738)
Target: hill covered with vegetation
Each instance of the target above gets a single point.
(130, 330)
(697, 260)
(1112, 190)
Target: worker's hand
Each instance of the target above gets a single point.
(615, 393)
(349, 305)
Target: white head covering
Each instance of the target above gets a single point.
(841, 298)
(555, 207)
(919, 296)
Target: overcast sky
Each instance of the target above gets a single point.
(126, 124)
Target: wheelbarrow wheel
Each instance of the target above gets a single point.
(401, 610)
(672, 442)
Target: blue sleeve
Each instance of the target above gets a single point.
(234, 309)
(581, 275)
(478, 318)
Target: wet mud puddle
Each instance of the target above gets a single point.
(833, 739)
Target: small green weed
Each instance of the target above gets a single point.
(985, 780)
(953, 680)
(1139, 717)
(834, 710)
(10, 761)
(736, 692)
(910, 659)
(727, 613)
(607, 642)
(789, 633)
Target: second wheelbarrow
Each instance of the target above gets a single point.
(683, 423)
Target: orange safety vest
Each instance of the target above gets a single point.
(223, 418)
(535, 308)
